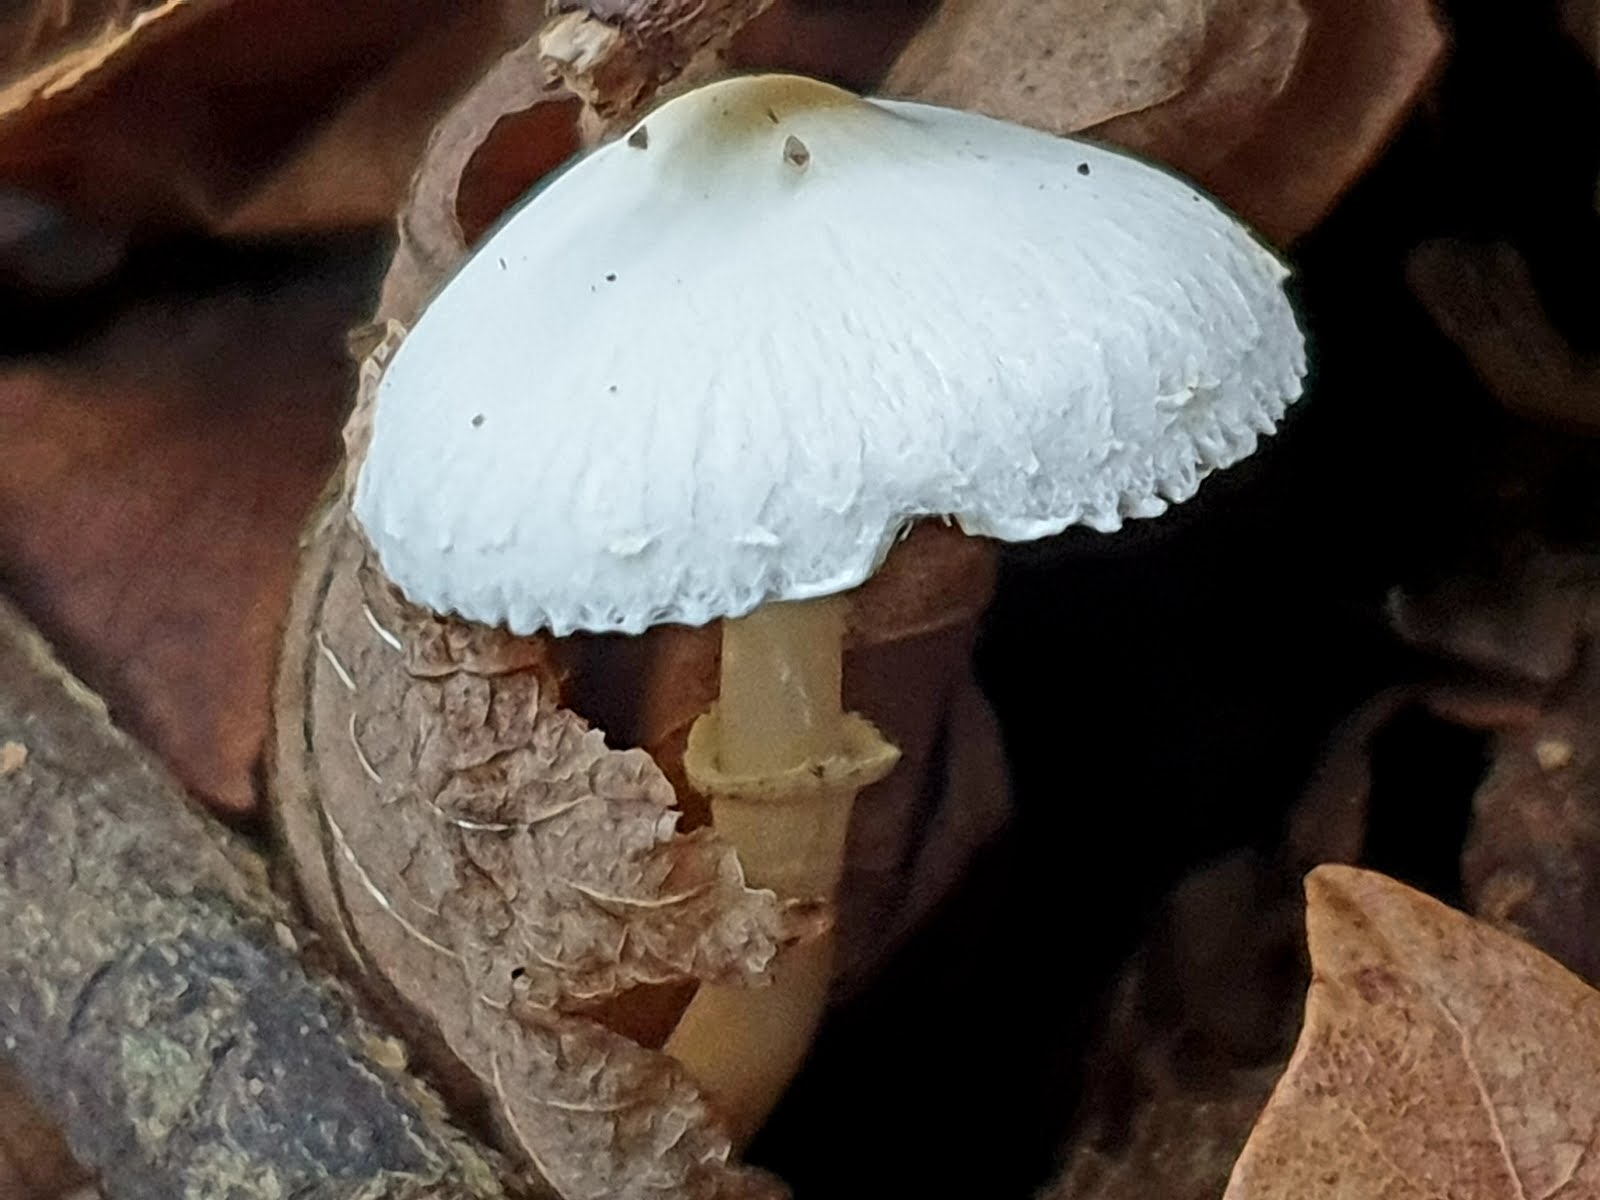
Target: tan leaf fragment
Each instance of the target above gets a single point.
(498, 872)
(1439, 1057)
(617, 54)
(628, 1121)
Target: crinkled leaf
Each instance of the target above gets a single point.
(623, 1121)
(1439, 1057)
(499, 872)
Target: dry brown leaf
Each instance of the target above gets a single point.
(606, 1118)
(1531, 864)
(1063, 65)
(151, 488)
(851, 42)
(1274, 105)
(1244, 60)
(1200, 1025)
(250, 115)
(353, 168)
(50, 47)
(498, 871)
(1363, 65)
(1439, 1057)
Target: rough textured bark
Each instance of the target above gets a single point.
(151, 991)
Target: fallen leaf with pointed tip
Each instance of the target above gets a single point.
(1439, 1057)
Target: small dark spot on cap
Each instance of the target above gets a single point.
(1083, 168)
(612, 277)
(772, 116)
(502, 264)
(477, 420)
(639, 139)
(795, 152)
(612, 388)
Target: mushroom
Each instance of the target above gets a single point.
(717, 367)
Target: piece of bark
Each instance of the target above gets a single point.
(151, 995)
(1439, 1057)
(1274, 105)
(495, 873)
(152, 487)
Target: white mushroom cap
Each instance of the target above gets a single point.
(728, 358)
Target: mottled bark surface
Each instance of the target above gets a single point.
(151, 993)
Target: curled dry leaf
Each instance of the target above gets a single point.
(1439, 1057)
(245, 116)
(1275, 105)
(617, 54)
(497, 872)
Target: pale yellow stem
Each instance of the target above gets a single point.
(781, 763)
